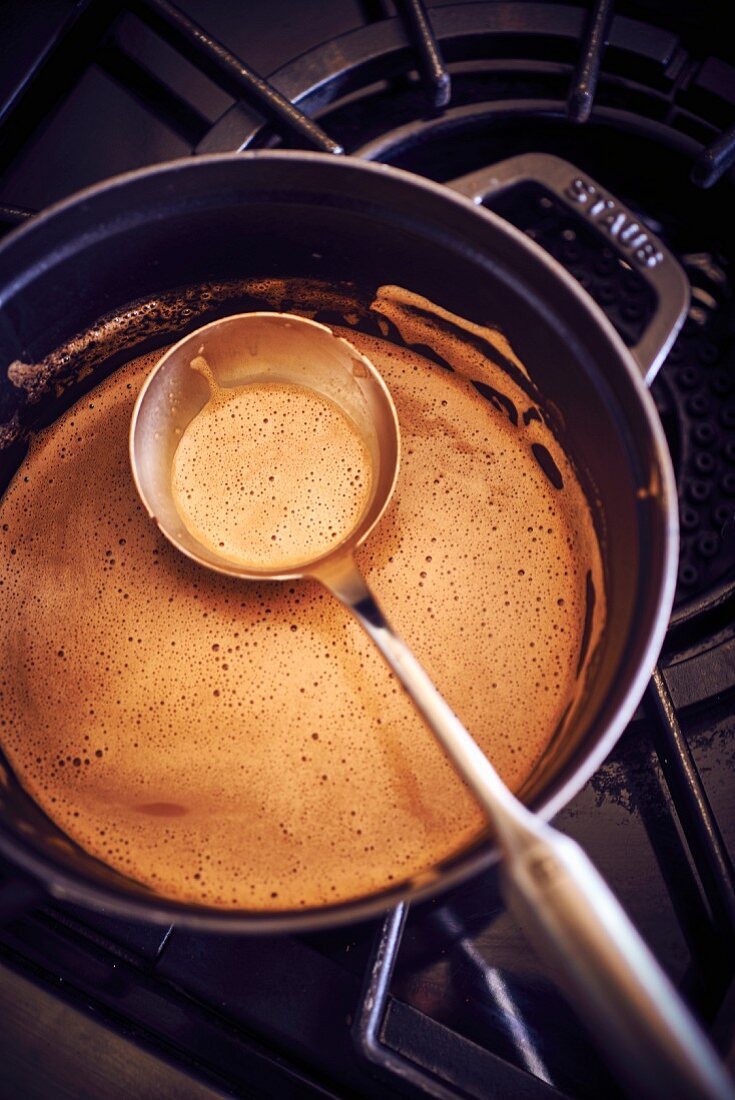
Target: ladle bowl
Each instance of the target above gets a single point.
(561, 900)
(257, 348)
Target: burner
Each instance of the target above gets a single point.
(696, 399)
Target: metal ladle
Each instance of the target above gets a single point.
(549, 883)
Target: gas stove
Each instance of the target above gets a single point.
(444, 999)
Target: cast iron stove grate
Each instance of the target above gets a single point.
(443, 94)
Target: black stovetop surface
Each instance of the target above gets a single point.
(469, 1005)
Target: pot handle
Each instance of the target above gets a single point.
(535, 189)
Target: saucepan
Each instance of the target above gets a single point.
(99, 277)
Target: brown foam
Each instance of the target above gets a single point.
(241, 744)
(270, 475)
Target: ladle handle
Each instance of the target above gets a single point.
(609, 975)
(569, 913)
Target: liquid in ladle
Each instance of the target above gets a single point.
(270, 474)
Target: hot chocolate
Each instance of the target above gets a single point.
(241, 744)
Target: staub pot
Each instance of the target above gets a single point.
(139, 237)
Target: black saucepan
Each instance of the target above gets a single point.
(139, 237)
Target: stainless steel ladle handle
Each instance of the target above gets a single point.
(563, 904)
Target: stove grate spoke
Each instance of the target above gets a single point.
(587, 72)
